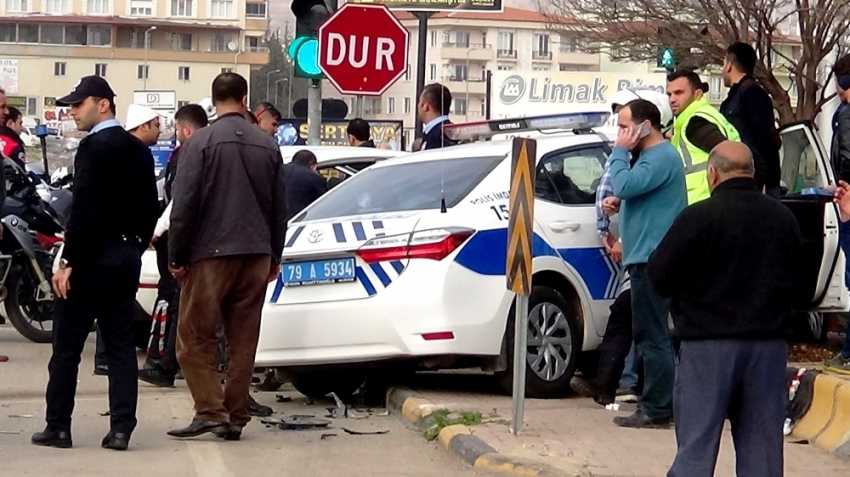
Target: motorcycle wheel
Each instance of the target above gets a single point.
(30, 327)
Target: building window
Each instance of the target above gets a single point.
(483, 109)
(505, 68)
(28, 33)
(98, 7)
(183, 73)
(56, 6)
(8, 32)
(99, 35)
(433, 34)
(144, 71)
(180, 41)
(75, 34)
(408, 74)
(460, 106)
(541, 46)
(220, 42)
(506, 44)
(181, 103)
(254, 44)
(567, 45)
(372, 106)
(52, 34)
(227, 70)
(459, 73)
(716, 88)
(181, 8)
(59, 68)
(100, 69)
(433, 69)
(406, 105)
(16, 5)
(459, 39)
(141, 8)
(390, 105)
(221, 9)
(540, 68)
(255, 10)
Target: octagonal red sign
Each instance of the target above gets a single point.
(363, 49)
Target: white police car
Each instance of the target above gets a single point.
(405, 262)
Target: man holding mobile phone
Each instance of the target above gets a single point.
(653, 192)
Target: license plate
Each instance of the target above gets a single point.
(320, 272)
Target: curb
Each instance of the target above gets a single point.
(460, 441)
(826, 424)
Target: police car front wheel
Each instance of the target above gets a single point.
(554, 342)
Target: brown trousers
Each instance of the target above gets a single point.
(223, 292)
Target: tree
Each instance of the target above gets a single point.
(699, 31)
(267, 87)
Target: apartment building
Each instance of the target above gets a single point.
(164, 53)
(463, 46)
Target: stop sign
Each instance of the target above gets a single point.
(363, 49)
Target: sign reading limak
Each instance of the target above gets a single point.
(541, 92)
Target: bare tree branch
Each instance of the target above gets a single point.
(635, 30)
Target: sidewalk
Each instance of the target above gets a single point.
(576, 435)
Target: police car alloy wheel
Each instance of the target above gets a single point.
(554, 343)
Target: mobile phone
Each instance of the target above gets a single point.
(644, 130)
(820, 192)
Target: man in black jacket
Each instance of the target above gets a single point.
(749, 108)
(303, 184)
(433, 110)
(228, 227)
(98, 274)
(359, 133)
(732, 265)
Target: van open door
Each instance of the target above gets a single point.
(804, 163)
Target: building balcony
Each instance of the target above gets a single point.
(460, 85)
(470, 51)
(577, 58)
(541, 55)
(506, 54)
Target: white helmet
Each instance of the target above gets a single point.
(624, 96)
(207, 104)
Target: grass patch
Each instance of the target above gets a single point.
(444, 418)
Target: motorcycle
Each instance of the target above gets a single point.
(33, 232)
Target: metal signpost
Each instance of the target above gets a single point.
(518, 272)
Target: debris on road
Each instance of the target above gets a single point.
(365, 433)
(612, 407)
(282, 398)
(22, 416)
(104, 414)
(341, 409)
(325, 436)
(296, 423)
(10, 432)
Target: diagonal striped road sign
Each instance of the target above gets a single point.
(521, 222)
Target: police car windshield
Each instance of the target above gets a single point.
(404, 187)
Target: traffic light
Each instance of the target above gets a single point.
(304, 49)
(666, 58)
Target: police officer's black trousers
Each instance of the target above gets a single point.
(105, 290)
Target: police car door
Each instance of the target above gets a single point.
(805, 164)
(565, 188)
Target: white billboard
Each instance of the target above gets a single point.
(159, 100)
(9, 76)
(534, 93)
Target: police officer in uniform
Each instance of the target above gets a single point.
(98, 273)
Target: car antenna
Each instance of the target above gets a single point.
(443, 208)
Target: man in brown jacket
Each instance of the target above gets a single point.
(228, 224)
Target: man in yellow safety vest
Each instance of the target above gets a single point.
(698, 128)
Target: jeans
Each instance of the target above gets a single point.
(844, 238)
(632, 370)
(653, 341)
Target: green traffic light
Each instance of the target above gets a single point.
(304, 52)
(667, 59)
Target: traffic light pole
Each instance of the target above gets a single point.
(314, 113)
(421, 63)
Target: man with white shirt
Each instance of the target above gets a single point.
(161, 364)
(433, 110)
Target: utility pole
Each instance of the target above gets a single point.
(314, 113)
(421, 63)
(147, 47)
(268, 85)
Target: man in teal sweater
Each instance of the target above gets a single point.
(653, 192)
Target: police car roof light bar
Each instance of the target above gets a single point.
(488, 129)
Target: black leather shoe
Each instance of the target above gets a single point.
(258, 410)
(232, 433)
(101, 370)
(116, 441)
(197, 428)
(157, 377)
(639, 420)
(48, 438)
(589, 388)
